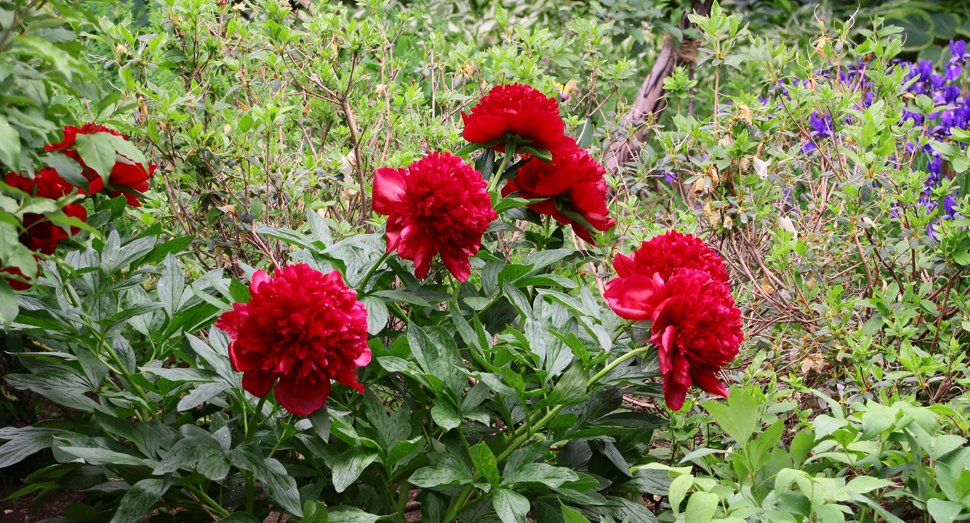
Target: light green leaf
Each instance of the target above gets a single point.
(573, 516)
(349, 466)
(485, 464)
(139, 500)
(97, 152)
(678, 490)
(9, 145)
(511, 507)
(701, 507)
(739, 418)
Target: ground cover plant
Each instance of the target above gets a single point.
(361, 263)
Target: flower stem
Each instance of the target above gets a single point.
(372, 270)
(497, 175)
(455, 509)
(402, 500)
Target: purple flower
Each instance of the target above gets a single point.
(669, 176)
(953, 71)
(958, 48)
(951, 94)
(938, 82)
(925, 70)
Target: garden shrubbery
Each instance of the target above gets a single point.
(358, 264)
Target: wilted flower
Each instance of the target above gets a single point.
(300, 330)
(522, 111)
(577, 183)
(439, 204)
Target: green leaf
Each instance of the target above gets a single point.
(569, 390)
(573, 516)
(485, 464)
(445, 416)
(739, 418)
(139, 500)
(376, 314)
(97, 152)
(349, 466)
(9, 307)
(678, 490)
(321, 422)
(511, 507)
(24, 442)
(544, 473)
(944, 511)
(271, 476)
(9, 145)
(315, 512)
(701, 507)
(442, 475)
(345, 514)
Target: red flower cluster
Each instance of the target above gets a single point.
(300, 330)
(522, 111)
(125, 176)
(439, 204)
(576, 181)
(40, 234)
(680, 285)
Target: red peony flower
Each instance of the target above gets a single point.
(41, 235)
(520, 110)
(125, 174)
(437, 205)
(668, 252)
(679, 284)
(576, 180)
(16, 284)
(300, 330)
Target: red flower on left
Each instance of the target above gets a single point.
(300, 330)
(40, 234)
(126, 175)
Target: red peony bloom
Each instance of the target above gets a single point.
(520, 110)
(668, 252)
(437, 205)
(16, 284)
(124, 175)
(41, 234)
(300, 330)
(679, 284)
(576, 180)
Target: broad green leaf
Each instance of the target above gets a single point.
(9, 145)
(569, 390)
(315, 512)
(740, 417)
(97, 152)
(9, 307)
(350, 465)
(485, 464)
(701, 507)
(321, 422)
(544, 473)
(139, 500)
(678, 490)
(345, 514)
(573, 516)
(511, 507)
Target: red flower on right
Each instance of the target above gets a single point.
(679, 284)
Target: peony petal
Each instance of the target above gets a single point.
(555, 183)
(259, 278)
(364, 358)
(676, 383)
(540, 126)
(547, 207)
(706, 378)
(624, 266)
(393, 231)
(458, 266)
(484, 128)
(390, 190)
(425, 249)
(564, 146)
(583, 233)
(632, 297)
(587, 197)
(258, 382)
(302, 396)
(348, 377)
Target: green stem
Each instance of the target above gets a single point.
(127, 375)
(402, 500)
(455, 508)
(497, 175)
(372, 270)
(213, 506)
